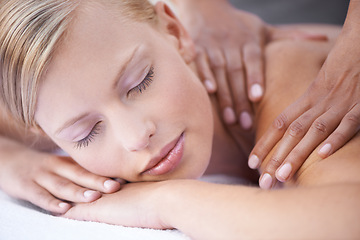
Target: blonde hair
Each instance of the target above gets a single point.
(30, 32)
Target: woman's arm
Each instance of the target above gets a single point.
(211, 211)
(208, 211)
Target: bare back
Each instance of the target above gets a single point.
(291, 67)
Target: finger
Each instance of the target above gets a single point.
(291, 138)
(217, 61)
(253, 60)
(205, 73)
(64, 189)
(238, 87)
(42, 198)
(82, 177)
(319, 130)
(81, 212)
(348, 127)
(275, 132)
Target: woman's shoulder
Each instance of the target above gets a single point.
(291, 66)
(341, 167)
(301, 40)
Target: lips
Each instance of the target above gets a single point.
(169, 158)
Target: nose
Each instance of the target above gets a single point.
(139, 138)
(135, 134)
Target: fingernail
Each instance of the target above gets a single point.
(109, 184)
(253, 162)
(229, 115)
(325, 150)
(63, 205)
(89, 193)
(284, 171)
(209, 85)
(245, 120)
(266, 181)
(256, 91)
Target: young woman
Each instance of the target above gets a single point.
(112, 83)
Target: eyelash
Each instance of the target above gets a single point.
(145, 83)
(95, 131)
(89, 138)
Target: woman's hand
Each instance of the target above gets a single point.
(327, 114)
(229, 58)
(136, 205)
(48, 181)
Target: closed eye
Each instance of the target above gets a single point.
(89, 138)
(144, 84)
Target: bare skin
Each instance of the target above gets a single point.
(32, 172)
(258, 213)
(236, 61)
(246, 212)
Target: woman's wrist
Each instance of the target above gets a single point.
(171, 199)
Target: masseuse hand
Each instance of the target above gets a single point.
(229, 58)
(49, 181)
(229, 46)
(327, 114)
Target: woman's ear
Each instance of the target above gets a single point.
(171, 25)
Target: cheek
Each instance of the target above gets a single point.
(90, 159)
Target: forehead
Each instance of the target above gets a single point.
(97, 41)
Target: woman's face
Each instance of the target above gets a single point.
(120, 99)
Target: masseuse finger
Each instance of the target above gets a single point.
(218, 64)
(205, 73)
(236, 76)
(275, 132)
(349, 126)
(64, 189)
(291, 138)
(86, 179)
(253, 60)
(319, 130)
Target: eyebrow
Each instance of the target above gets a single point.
(125, 66)
(116, 81)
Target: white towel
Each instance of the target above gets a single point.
(20, 220)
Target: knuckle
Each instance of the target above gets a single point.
(61, 184)
(353, 118)
(320, 126)
(218, 62)
(274, 162)
(40, 197)
(296, 129)
(235, 66)
(252, 52)
(339, 138)
(81, 172)
(280, 122)
(252, 56)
